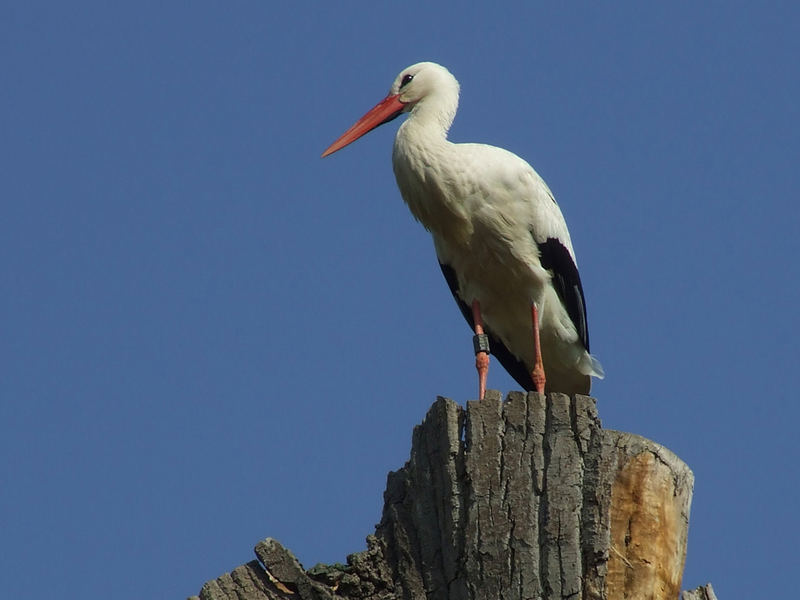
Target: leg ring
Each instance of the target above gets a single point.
(480, 342)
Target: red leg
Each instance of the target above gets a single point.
(538, 368)
(481, 344)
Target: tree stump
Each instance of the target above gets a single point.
(522, 499)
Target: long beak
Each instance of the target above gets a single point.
(386, 110)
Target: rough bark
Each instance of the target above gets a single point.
(527, 498)
(705, 592)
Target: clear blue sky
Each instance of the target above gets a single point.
(211, 336)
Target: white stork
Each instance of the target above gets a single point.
(499, 235)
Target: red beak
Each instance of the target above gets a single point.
(386, 110)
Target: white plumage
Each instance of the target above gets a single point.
(498, 233)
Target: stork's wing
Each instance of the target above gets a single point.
(550, 234)
(557, 259)
(511, 363)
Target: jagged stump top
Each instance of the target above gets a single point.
(527, 498)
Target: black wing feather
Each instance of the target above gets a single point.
(511, 363)
(556, 258)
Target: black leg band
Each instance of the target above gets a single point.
(480, 342)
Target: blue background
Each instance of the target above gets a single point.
(211, 336)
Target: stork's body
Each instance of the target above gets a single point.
(499, 235)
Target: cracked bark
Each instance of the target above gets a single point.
(522, 499)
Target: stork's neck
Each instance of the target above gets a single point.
(426, 166)
(433, 115)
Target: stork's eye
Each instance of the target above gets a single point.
(406, 80)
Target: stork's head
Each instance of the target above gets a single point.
(423, 80)
(423, 84)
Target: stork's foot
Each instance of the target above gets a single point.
(482, 365)
(538, 378)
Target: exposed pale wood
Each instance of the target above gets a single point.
(650, 500)
(527, 498)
